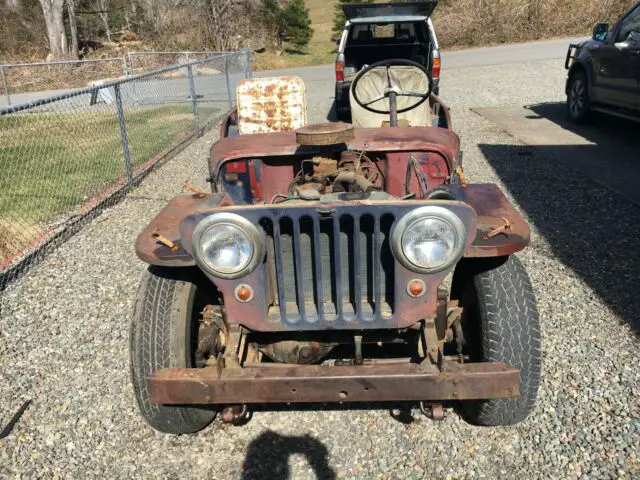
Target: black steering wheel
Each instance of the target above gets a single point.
(392, 91)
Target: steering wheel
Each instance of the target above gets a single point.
(392, 90)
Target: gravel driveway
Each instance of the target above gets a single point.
(64, 339)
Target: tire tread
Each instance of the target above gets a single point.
(510, 331)
(150, 350)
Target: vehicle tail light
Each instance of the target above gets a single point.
(339, 71)
(436, 67)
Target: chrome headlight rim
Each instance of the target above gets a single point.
(227, 218)
(421, 214)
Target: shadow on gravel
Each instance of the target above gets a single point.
(268, 457)
(591, 230)
(611, 157)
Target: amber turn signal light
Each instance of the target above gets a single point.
(244, 293)
(416, 288)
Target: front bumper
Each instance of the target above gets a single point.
(269, 383)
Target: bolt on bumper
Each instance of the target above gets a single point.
(274, 383)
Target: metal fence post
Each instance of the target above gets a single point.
(226, 77)
(247, 64)
(130, 59)
(125, 69)
(123, 134)
(6, 86)
(194, 101)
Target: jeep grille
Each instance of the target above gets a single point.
(330, 267)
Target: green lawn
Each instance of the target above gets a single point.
(52, 164)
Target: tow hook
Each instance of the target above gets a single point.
(434, 411)
(235, 414)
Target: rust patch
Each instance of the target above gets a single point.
(288, 383)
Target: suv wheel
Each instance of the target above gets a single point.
(578, 102)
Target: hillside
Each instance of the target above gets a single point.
(465, 23)
(320, 49)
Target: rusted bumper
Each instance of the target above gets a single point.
(318, 383)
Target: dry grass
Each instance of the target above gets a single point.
(16, 236)
(479, 22)
(321, 49)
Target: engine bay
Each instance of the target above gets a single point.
(415, 175)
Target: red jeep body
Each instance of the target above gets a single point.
(330, 280)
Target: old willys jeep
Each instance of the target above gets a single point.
(336, 263)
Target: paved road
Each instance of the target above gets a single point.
(216, 88)
(473, 57)
(506, 54)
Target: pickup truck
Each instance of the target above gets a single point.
(604, 72)
(382, 31)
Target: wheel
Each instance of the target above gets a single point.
(500, 323)
(578, 102)
(164, 335)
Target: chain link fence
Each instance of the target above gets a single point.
(140, 62)
(66, 157)
(25, 82)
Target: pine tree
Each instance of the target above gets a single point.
(294, 18)
(272, 16)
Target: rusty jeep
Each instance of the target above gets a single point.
(337, 263)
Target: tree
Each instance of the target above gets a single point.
(53, 11)
(338, 15)
(73, 27)
(296, 23)
(102, 7)
(271, 15)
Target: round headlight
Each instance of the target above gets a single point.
(429, 242)
(227, 245)
(226, 248)
(429, 239)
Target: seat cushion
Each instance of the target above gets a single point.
(373, 84)
(268, 105)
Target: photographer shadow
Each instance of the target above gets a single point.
(268, 457)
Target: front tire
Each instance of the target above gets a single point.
(163, 329)
(501, 324)
(578, 100)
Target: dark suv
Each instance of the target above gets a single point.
(604, 72)
(383, 31)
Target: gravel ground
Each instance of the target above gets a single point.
(64, 332)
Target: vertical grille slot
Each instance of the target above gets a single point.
(278, 257)
(308, 269)
(329, 269)
(357, 265)
(387, 264)
(317, 269)
(347, 254)
(327, 258)
(366, 273)
(336, 248)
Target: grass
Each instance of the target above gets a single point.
(53, 163)
(321, 49)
